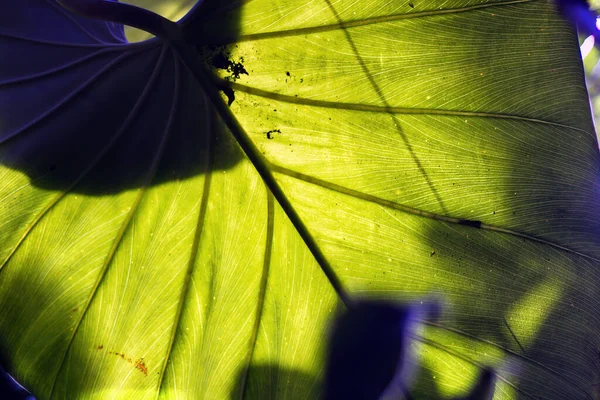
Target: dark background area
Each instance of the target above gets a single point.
(11, 390)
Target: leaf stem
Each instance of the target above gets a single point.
(125, 14)
(198, 69)
(173, 34)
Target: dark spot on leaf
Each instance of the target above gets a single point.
(236, 69)
(100, 347)
(468, 222)
(122, 355)
(411, 5)
(229, 93)
(288, 73)
(219, 57)
(270, 134)
(220, 61)
(432, 253)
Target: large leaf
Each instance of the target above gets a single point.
(408, 149)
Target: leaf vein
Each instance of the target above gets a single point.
(506, 350)
(414, 211)
(70, 17)
(127, 221)
(192, 258)
(388, 110)
(262, 289)
(68, 97)
(360, 22)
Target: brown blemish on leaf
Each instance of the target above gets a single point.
(100, 347)
(122, 355)
(141, 365)
(138, 364)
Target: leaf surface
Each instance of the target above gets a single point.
(439, 147)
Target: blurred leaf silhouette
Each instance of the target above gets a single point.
(369, 353)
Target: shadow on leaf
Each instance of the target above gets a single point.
(83, 111)
(265, 381)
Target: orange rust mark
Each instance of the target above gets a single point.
(141, 365)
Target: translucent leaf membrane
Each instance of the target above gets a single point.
(485, 131)
(498, 288)
(426, 155)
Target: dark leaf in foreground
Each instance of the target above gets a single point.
(368, 352)
(366, 348)
(579, 14)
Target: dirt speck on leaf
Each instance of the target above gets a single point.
(271, 134)
(139, 364)
(219, 57)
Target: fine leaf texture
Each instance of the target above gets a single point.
(427, 148)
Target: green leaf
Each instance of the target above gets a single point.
(438, 148)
